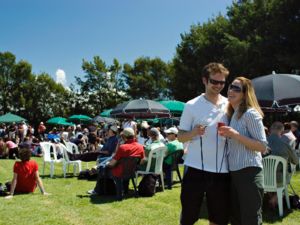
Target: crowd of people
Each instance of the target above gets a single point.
(224, 141)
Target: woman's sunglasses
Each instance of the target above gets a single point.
(235, 88)
(215, 82)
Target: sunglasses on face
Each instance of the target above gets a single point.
(235, 88)
(215, 82)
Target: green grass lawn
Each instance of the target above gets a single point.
(69, 204)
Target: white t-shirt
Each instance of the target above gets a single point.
(201, 111)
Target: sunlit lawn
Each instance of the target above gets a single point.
(69, 204)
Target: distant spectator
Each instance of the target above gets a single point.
(3, 149)
(288, 136)
(296, 132)
(12, 148)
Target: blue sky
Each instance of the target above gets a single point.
(58, 34)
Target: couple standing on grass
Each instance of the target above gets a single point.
(224, 163)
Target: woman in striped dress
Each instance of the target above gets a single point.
(246, 143)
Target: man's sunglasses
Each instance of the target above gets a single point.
(235, 88)
(215, 82)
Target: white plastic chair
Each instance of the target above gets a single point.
(158, 155)
(270, 164)
(67, 162)
(72, 148)
(47, 158)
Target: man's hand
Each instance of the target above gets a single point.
(198, 130)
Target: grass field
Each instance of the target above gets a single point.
(69, 204)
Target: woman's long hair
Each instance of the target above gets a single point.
(249, 99)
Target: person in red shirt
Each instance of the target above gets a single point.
(131, 148)
(26, 176)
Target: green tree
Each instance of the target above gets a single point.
(148, 78)
(44, 99)
(203, 44)
(102, 87)
(13, 76)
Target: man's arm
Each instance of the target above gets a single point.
(112, 163)
(185, 136)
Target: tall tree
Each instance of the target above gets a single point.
(148, 78)
(203, 44)
(13, 75)
(101, 88)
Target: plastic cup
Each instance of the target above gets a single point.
(221, 124)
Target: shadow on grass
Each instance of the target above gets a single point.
(272, 215)
(269, 215)
(103, 199)
(58, 176)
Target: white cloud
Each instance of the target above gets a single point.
(61, 77)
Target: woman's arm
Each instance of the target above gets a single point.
(13, 186)
(250, 143)
(40, 183)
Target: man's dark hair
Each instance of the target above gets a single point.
(213, 68)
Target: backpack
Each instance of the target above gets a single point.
(147, 185)
(295, 201)
(106, 186)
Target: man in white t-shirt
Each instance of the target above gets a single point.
(206, 163)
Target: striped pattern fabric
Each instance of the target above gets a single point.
(249, 125)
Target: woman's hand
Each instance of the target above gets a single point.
(228, 132)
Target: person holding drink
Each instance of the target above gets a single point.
(207, 171)
(246, 142)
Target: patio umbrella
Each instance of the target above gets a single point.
(106, 113)
(140, 108)
(100, 119)
(11, 118)
(175, 107)
(59, 121)
(277, 90)
(79, 118)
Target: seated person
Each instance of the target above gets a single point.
(3, 149)
(26, 176)
(105, 152)
(80, 142)
(110, 144)
(280, 148)
(12, 148)
(173, 145)
(130, 148)
(155, 143)
(288, 136)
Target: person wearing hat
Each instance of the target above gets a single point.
(172, 146)
(26, 176)
(142, 136)
(110, 144)
(154, 135)
(130, 148)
